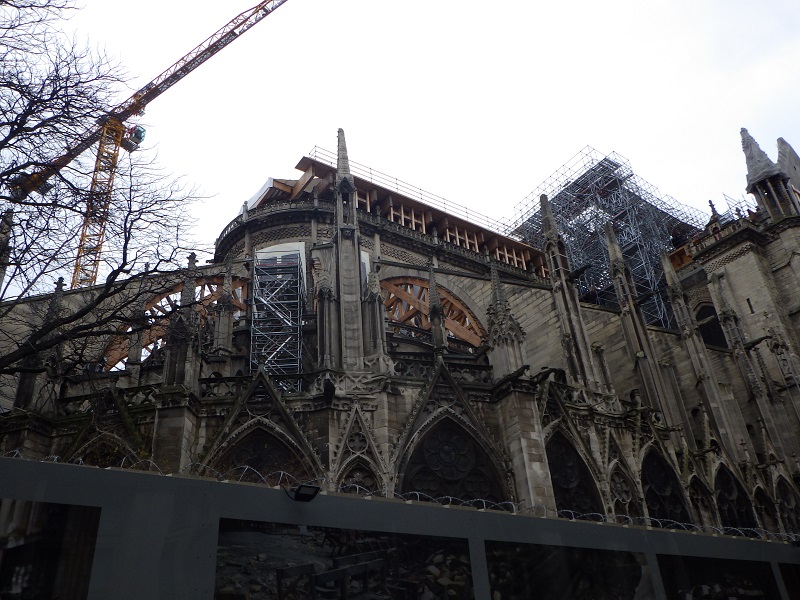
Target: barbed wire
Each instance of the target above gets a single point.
(285, 479)
(542, 511)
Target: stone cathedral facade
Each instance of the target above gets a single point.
(349, 334)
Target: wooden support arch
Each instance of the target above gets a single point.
(407, 303)
(208, 290)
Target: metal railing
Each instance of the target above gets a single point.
(413, 192)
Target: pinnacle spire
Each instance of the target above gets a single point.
(548, 220)
(759, 165)
(55, 302)
(789, 162)
(5, 241)
(435, 311)
(342, 162)
(343, 166)
(670, 275)
(614, 250)
(498, 296)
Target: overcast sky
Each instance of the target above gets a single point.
(478, 102)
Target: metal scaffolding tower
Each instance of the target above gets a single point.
(592, 189)
(276, 329)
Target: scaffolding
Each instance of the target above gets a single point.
(592, 189)
(277, 322)
(738, 208)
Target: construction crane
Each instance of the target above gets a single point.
(112, 135)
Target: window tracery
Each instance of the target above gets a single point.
(449, 462)
(260, 457)
(573, 486)
(662, 490)
(360, 480)
(789, 507)
(765, 508)
(735, 509)
(702, 504)
(623, 491)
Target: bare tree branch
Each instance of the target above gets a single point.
(52, 92)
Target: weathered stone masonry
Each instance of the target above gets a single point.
(442, 358)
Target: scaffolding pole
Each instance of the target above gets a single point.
(592, 189)
(276, 331)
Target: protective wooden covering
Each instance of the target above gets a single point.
(407, 303)
(208, 290)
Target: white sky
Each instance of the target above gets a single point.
(478, 102)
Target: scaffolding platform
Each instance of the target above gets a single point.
(592, 189)
(277, 319)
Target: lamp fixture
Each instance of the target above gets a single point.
(305, 492)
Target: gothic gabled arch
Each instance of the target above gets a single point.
(356, 442)
(260, 408)
(733, 503)
(105, 450)
(574, 488)
(442, 399)
(359, 475)
(663, 494)
(446, 459)
(260, 454)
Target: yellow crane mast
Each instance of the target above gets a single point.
(111, 135)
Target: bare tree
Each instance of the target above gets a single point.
(52, 93)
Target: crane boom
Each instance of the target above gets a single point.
(110, 136)
(196, 57)
(172, 75)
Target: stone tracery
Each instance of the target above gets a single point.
(573, 485)
(449, 462)
(662, 490)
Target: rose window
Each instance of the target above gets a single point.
(449, 454)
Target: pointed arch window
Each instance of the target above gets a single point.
(449, 462)
(662, 491)
(105, 452)
(789, 505)
(765, 508)
(735, 508)
(709, 327)
(260, 457)
(573, 485)
(702, 504)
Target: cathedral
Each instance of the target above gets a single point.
(351, 335)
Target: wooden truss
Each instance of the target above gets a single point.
(407, 304)
(207, 292)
